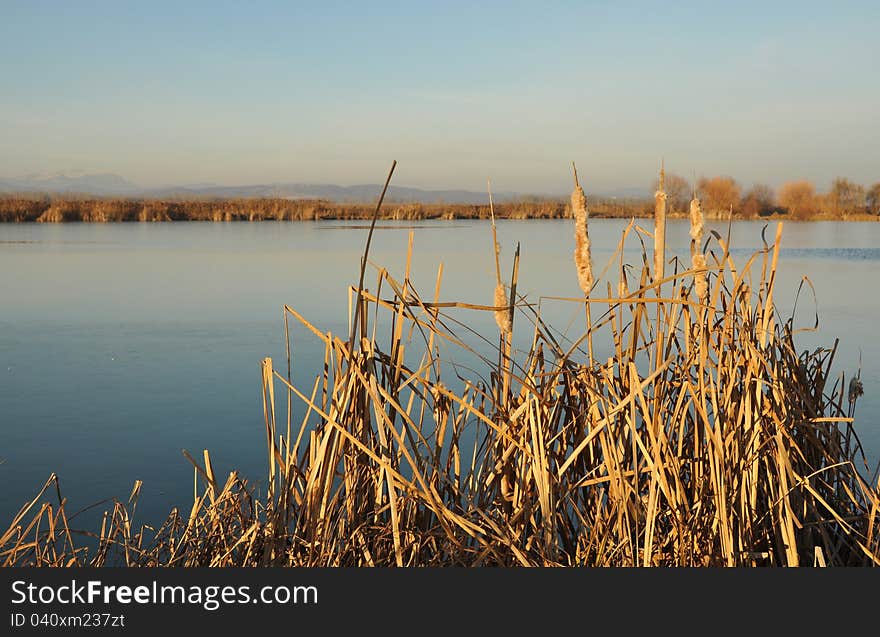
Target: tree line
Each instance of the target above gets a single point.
(798, 199)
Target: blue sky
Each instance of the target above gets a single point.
(235, 92)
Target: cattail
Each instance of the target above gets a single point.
(696, 221)
(701, 285)
(660, 227)
(856, 389)
(582, 258)
(698, 259)
(502, 316)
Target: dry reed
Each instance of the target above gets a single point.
(733, 448)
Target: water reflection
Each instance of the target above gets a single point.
(122, 344)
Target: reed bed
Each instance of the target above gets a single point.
(72, 209)
(706, 438)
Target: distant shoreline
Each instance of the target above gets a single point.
(49, 209)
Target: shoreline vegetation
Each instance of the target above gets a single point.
(722, 198)
(705, 437)
(94, 210)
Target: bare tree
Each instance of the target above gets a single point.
(845, 197)
(872, 199)
(678, 191)
(798, 197)
(719, 194)
(758, 201)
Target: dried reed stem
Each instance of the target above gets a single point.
(367, 254)
(508, 340)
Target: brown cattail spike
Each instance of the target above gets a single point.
(698, 259)
(502, 316)
(660, 226)
(582, 259)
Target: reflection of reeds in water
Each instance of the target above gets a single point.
(729, 448)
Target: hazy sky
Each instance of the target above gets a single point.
(248, 92)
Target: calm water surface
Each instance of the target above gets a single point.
(122, 344)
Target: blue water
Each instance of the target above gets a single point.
(121, 345)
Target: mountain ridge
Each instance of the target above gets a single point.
(110, 184)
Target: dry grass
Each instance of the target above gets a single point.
(705, 438)
(17, 209)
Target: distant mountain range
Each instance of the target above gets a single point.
(331, 192)
(97, 184)
(109, 184)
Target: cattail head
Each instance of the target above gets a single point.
(696, 221)
(582, 258)
(698, 259)
(579, 205)
(856, 389)
(660, 227)
(502, 316)
(701, 285)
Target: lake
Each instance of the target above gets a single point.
(121, 344)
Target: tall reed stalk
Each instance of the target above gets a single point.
(502, 312)
(583, 259)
